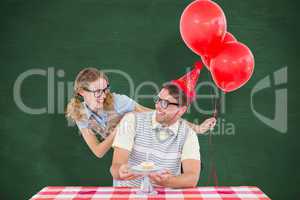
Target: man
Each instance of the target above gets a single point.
(161, 137)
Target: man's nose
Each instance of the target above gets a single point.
(158, 106)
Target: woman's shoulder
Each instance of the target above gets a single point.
(82, 122)
(123, 103)
(120, 97)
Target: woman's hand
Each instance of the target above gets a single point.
(208, 124)
(112, 134)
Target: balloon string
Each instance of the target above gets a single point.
(213, 170)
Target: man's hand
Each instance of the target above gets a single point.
(125, 174)
(208, 124)
(188, 179)
(160, 179)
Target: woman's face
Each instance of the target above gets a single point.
(92, 96)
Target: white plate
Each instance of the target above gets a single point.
(138, 169)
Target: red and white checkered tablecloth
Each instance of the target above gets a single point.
(201, 193)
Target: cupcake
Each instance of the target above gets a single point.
(147, 165)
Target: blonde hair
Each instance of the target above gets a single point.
(75, 109)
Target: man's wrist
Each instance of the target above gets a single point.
(168, 182)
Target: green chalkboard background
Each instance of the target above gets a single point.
(141, 38)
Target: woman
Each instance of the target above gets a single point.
(97, 111)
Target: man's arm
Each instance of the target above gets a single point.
(189, 177)
(120, 158)
(191, 164)
(119, 168)
(123, 144)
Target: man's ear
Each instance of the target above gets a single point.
(183, 109)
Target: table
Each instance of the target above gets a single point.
(201, 193)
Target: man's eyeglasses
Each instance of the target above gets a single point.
(98, 93)
(163, 102)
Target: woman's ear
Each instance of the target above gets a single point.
(80, 92)
(79, 96)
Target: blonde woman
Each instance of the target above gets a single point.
(97, 111)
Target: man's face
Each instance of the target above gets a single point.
(93, 99)
(170, 114)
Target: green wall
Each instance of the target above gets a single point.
(140, 38)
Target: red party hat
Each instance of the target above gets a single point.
(187, 83)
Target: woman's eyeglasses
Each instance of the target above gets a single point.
(98, 93)
(163, 102)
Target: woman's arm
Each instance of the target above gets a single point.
(198, 128)
(204, 126)
(140, 108)
(98, 148)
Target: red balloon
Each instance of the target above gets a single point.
(232, 67)
(203, 27)
(206, 61)
(228, 38)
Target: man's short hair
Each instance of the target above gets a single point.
(177, 93)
